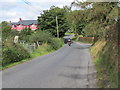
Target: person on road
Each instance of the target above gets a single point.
(69, 41)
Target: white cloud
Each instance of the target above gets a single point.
(10, 1)
(11, 14)
(14, 16)
(12, 10)
(50, 0)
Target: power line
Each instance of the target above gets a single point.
(29, 3)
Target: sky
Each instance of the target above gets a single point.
(12, 10)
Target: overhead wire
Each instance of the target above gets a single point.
(30, 4)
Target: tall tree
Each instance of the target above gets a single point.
(47, 20)
(93, 17)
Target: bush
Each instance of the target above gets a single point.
(13, 53)
(56, 43)
(41, 50)
(40, 36)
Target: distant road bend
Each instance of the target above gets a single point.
(69, 67)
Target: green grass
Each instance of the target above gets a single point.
(67, 33)
(34, 55)
(106, 64)
(13, 64)
(42, 50)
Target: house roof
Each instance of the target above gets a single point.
(24, 22)
(28, 22)
(10, 24)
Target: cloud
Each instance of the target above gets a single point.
(8, 6)
(51, 0)
(14, 15)
(15, 9)
(10, 1)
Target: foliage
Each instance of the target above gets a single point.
(76, 22)
(100, 21)
(13, 53)
(41, 37)
(94, 19)
(47, 20)
(56, 43)
(106, 63)
(6, 30)
(25, 34)
(41, 50)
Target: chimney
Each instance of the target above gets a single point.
(20, 19)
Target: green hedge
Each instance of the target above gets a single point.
(13, 53)
(56, 43)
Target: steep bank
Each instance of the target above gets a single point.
(105, 54)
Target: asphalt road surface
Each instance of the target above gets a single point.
(69, 67)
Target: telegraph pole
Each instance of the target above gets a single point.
(57, 27)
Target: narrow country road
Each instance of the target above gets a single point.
(69, 67)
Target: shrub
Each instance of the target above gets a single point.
(41, 50)
(40, 36)
(56, 43)
(13, 53)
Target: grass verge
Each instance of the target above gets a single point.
(67, 33)
(106, 63)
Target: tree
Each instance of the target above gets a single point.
(25, 34)
(94, 17)
(40, 37)
(6, 30)
(47, 20)
(11, 52)
(76, 21)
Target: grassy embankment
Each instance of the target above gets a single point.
(41, 50)
(105, 56)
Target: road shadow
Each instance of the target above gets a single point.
(81, 67)
(84, 46)
(79, 76)
(90, 74)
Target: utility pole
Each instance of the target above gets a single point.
(57, 27)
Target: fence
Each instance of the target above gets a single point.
(29, 47)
